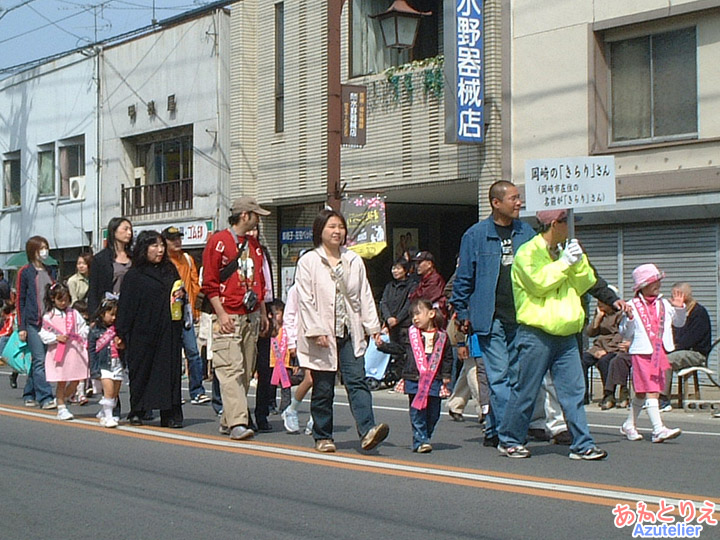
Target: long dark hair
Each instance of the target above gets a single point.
(144, 240)
(56, 290)
(108, 304)
(113, 225)
(321, 220)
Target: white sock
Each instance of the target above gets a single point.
(108, 404)
(653, 410)
(61, 407)
(635, 408)
(294, 404)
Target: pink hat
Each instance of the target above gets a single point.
(546, 217)
(645, 274)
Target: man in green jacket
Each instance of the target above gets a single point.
(549, 276)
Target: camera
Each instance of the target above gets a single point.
(250, 300)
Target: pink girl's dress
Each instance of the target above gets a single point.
(74, 363)
(649, 369)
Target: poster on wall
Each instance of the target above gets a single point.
(405, 242)
(365, 218)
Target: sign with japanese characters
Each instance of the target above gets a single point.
(464, 44)
(365, 218)
(195, 233)
(575, 182)
(354, 112)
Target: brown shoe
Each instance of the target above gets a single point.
(375, 436)
(326, 446)
(607, 403)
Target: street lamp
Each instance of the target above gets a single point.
(399, 24)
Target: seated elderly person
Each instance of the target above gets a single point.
(609, 354)
(692, 341)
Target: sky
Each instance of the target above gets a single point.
(33, 29)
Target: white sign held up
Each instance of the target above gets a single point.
(575, 182)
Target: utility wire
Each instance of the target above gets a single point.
(8, 10)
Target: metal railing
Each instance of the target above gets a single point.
(157, 198)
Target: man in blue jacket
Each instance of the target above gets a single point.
(482, 293)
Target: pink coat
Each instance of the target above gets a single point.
(74, 365)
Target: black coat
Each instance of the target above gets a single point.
(395, 302)
(410, 370)
(153, 340)
(101, 278)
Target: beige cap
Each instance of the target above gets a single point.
(247, 204)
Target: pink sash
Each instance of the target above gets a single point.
(280, 374)
(426, 367)
(108, 337)
(654, 324)
(69, 332)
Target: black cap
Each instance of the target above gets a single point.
(424, 256)
(172, 233)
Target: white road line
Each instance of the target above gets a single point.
(381, 466)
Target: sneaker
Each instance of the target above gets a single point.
(108, 422)
(375, 436)
(291, 420)
(240, 433)
(564, 438)
(64, 414)
(309, 427)
(200, 399)
(517, 452)
(590, 454)
(630, 432)
(50, 404)
(13, 380)
(424, 448)
(224, 430)
(99, 414)
(665, 434)
(665, 405)
(31, 403)
(326, 446)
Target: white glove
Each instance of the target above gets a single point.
(572, 253)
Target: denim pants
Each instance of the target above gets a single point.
(36, 386)
(352, 369)
(539, 352)
(500, 358)
(195, 363)
(424, 422)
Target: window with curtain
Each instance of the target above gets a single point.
(46, 172)
(72, 163)
(653, 84)
(166, 160)
(368, 52)
(11, 179)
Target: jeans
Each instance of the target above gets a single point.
(195, 363)
(36, 387)
(500, 358)
(539, 352)
(423, 422)
(352, 369)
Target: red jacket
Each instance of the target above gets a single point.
(432, 287)
(219, 252)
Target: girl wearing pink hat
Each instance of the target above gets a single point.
(649, 326)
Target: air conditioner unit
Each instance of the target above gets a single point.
(77, 188)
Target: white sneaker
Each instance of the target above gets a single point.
(99, 414)
(665, 434)
(309, 427)
(630, 432)
(108, 422)
(64, 414)
(291, 420)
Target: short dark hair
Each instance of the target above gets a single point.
(321, 220)
(144, 240)
(498, 189)
(33, 246)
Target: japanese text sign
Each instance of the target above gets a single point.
(575, 182)
(354, 113)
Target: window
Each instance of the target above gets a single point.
(279, 68)
(72, 163)
(167, 160)
(11, 179)
(46, 171)
(653, 85)
(368, 51)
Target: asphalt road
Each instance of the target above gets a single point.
(78, 480)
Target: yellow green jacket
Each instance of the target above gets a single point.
(548, 293)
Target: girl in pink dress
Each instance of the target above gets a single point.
(649, 326)
(64, 332)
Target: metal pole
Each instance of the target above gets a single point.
(571, 223)
(334, 117)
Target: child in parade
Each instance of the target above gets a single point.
(104, 348)
(80, 396)
(64, 332)
(280, 355)
(649, 326)
(427, 369)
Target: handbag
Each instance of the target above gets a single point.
(17, 354)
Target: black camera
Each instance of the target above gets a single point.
(250, 300)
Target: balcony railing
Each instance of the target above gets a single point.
(157, 198)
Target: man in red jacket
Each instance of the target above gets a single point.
(432, 284)
(233, 282)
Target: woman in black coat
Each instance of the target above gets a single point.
(153, 340)
(112, 263)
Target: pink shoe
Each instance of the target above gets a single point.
(630, 432)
